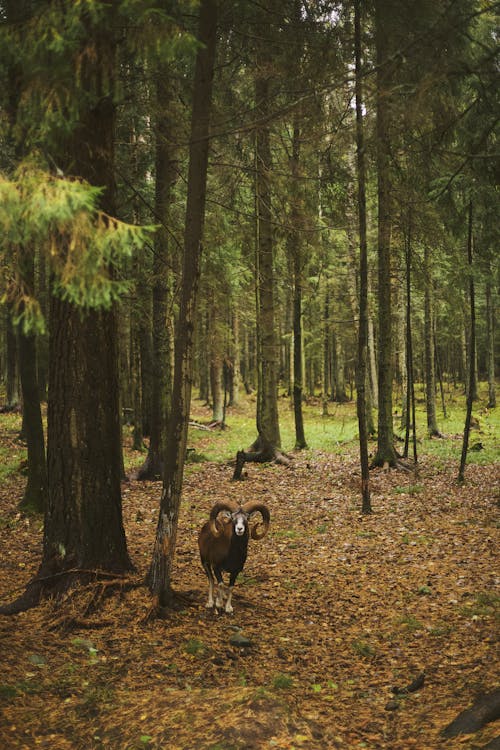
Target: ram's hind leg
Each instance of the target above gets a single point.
(210, 576)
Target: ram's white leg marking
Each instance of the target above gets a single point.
(229, 608)
(210, 602)
(219, 601)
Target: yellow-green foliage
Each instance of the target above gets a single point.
(84, 246)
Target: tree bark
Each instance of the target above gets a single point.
(430, 369)
(386, 454)
(35, 492)
(294, 243)
(83, 530)
(484, 710)
(361, 370)
(235, 357)
(160, 572)
(267, 398)
(472, 350)
(490, 332)
(12, 380)
(161, 380)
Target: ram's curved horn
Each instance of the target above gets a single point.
(260, 529)
(227, 505)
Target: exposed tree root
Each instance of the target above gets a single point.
(484, 710)
(399, 464)
(151, 469)
(260, 452)
(57, 585)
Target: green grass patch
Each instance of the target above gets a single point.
(408, 489)
(483, 604)
(282, 682)
(194, 647)
(411, 623)
(363, 648)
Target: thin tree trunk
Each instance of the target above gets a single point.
(372, 363)
(472, 351)
(235, 357)
(361, 370)
(294, 241)
(216, 365)
(325, 363)
(12, 380)
(160, 572)
(430, 370)
(35, 493)
(161, 351)
(490, 327)
(386, 454)
(410, 391)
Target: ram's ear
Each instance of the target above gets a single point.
(225, 515)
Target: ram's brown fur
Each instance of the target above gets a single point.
(214, 549)
(222, 549)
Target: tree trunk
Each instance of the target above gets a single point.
(83, 525)
(12, 380)
(160, 572)
(410, 379)
(35, 493)
(294, 243)
(430, 370)
(267, 397)
(490, 332)
(42, 340)
(83, 531)
(161, 353)
(386, 454)
(372, 364)
(235, 356)
(361, 370)
(325, 355)
(472, 351)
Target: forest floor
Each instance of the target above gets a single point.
(340, 608)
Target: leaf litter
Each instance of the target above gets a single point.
(335, 609)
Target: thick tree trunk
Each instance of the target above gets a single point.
(160, 572)
(83, 531)
(83, 526)
(267, 399)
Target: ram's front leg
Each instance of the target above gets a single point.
(232, 580)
